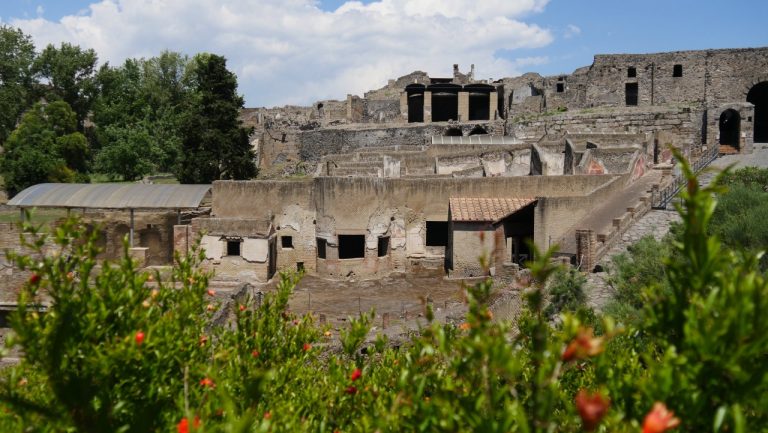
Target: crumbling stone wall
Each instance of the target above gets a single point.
(677, 126)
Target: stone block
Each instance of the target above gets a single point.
(140, 255)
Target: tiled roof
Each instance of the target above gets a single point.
(485, 209)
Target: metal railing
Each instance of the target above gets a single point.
(661, 198)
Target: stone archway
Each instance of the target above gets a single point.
(730, 130)
(758, 96)
(453, 132)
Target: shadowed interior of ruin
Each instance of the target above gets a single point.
(758, 96)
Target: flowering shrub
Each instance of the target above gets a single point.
(123, 351)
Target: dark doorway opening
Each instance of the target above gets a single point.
(758, 96)
(677, 71)
(631, 93)
(478, 130)
(453, 132)
(351, 246)
(383, 246)
(321, 248)
(416, 108)
(479, 106)
(286, 242)
(445, 106)
(560, 87)
(730, 128)
(233, 248)
(437, 233)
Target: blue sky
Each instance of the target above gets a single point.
(554, 37)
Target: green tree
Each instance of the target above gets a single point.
(214, 143)
(137, 115)
(17, 54)
(45, 147)
(67, 73)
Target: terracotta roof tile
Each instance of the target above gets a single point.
(485, 209)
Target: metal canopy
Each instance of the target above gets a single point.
(111, 196)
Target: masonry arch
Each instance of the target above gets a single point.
(730, 128)
(478, 130)
(453, 132)
(758, 96)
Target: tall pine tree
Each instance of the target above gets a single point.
(214, 143)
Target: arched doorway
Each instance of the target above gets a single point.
(478, 130)
(453, 132)
(730, 130)
(758, 96)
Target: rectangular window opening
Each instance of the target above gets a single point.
(677, 71)
(299, 266)
(631, 72)
(631, 93)
(437, 233)
(321, 248)
(560, 87)
(286, 242)
(383, 246)
(351, 246)
(233, 248)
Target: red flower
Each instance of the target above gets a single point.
(34, 279)
(592, 408)
(583, 346)
(211, 292)
(139, 338)
(356, 374)
(267, 415)
(203, 340)
(660, 419)
(255, 353)
(351, 390)
(242, 307)
(207, 383)
(306, 347)
(183, 425)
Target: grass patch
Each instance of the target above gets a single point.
(39, 216)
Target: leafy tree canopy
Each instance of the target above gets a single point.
(45, 147)
(17, 55)
(214, 144)
(67, 73)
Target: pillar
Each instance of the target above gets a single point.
(427, 107)
(404, 106)
(585, 250)
(493, 108)
(463, 106)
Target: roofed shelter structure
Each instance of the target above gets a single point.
(495, 227)
(115, 196)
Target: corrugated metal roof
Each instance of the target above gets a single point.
(111, 196)
(485, 209)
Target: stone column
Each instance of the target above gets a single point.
(427, 107)
(463, 106)
(404, 106)
(493, 106)
(585, 250)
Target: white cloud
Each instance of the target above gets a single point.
(290, 51)
(39, 10)
(571, 31)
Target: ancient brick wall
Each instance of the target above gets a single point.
(678, 126)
